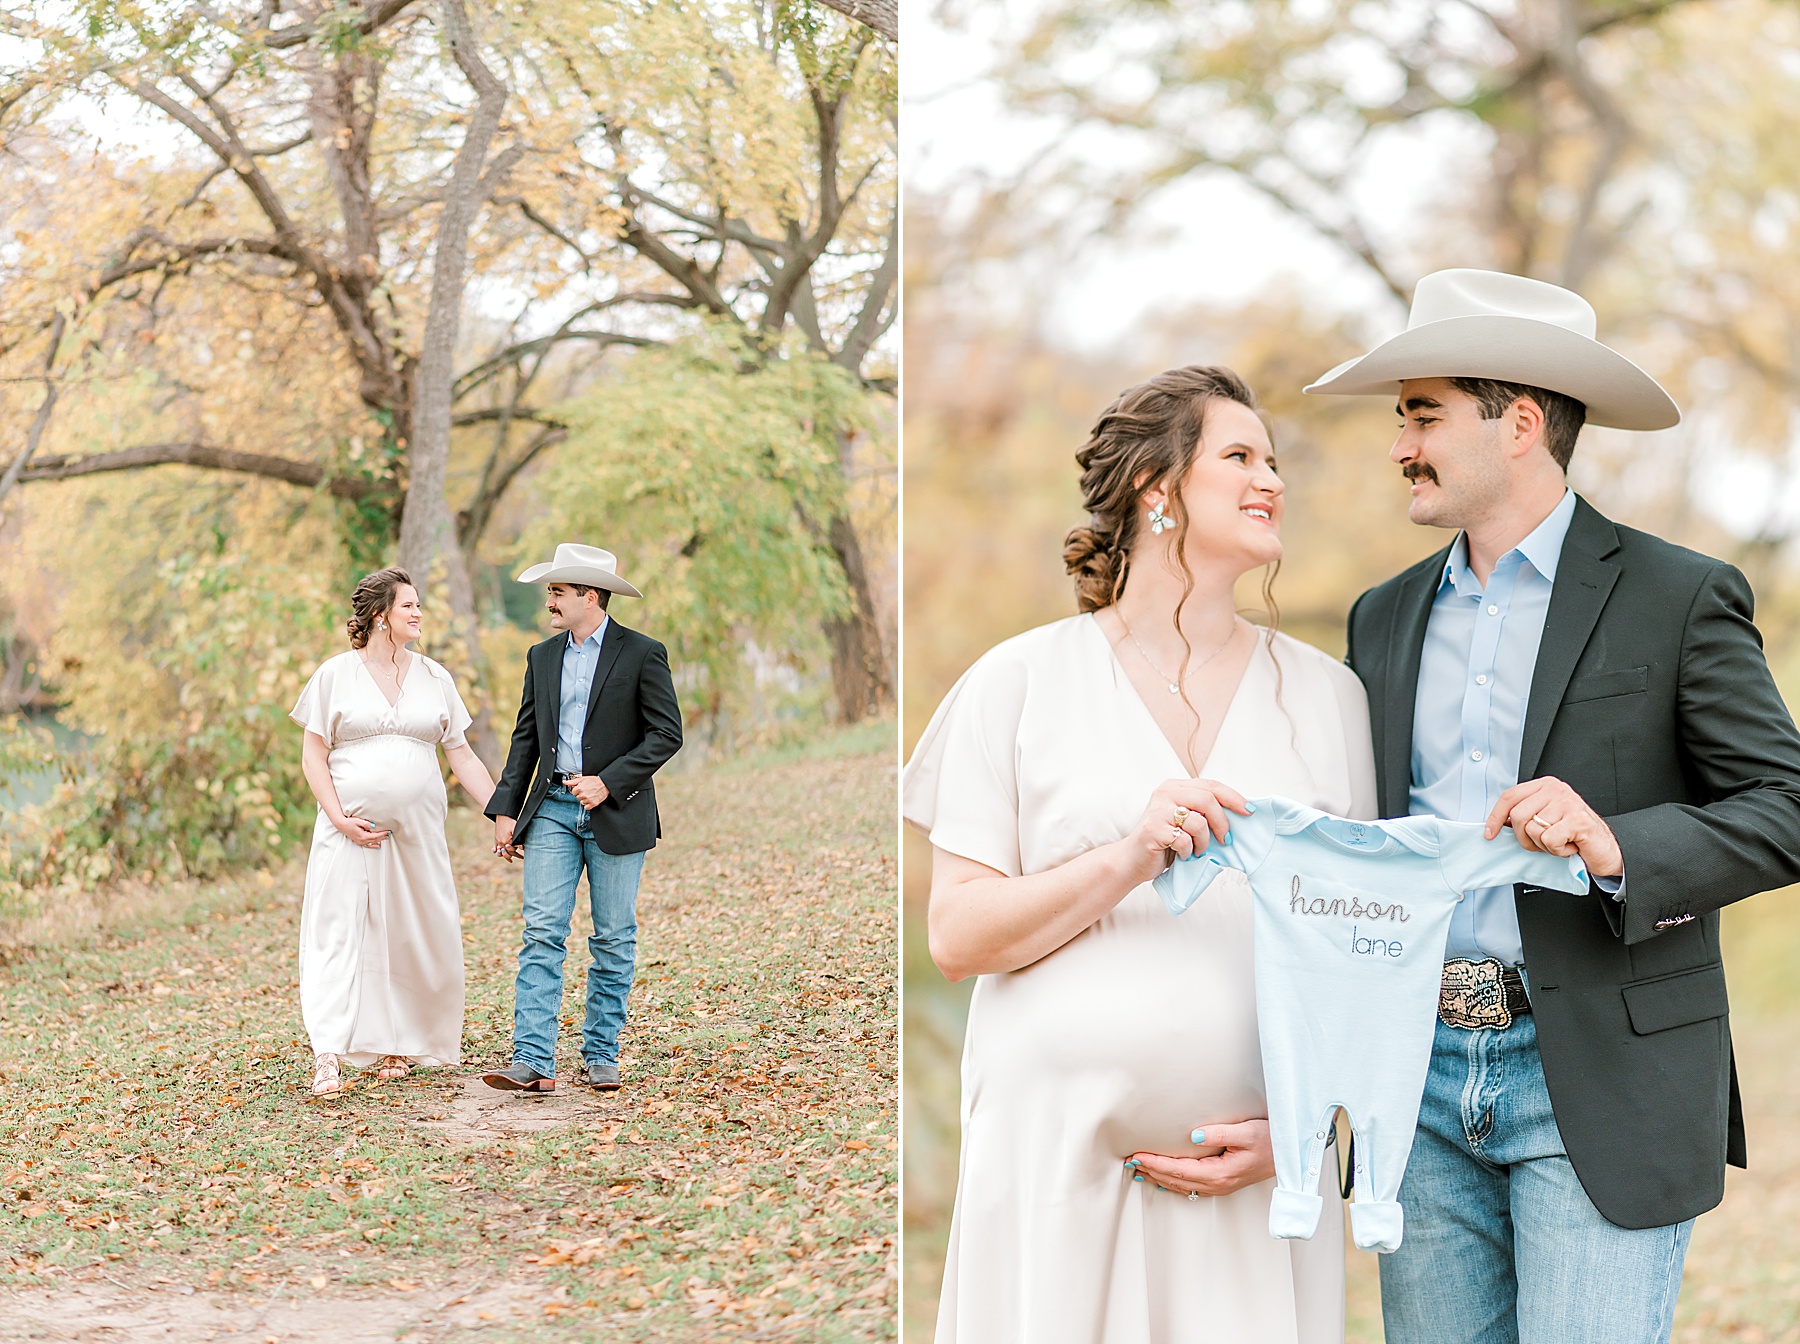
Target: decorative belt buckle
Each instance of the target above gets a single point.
(1473, 995)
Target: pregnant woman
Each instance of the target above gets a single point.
(381, 967)
(1056, 780)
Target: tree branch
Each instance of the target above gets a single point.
(881, 15)
(382, 13)
(472, 522)
(308, 474)
(876, 317)
(42, 418)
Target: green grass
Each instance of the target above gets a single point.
(155, 1124)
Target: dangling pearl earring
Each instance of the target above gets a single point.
(1159, 521)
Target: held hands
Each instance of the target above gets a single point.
(589, 790)
(1228, 1157)
(359, 832)
(1182, 817)
(503, 834)
(1549, 817)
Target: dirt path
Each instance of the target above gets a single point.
(163, 1174)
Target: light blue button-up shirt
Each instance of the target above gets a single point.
(1481, 647)
(579, 661)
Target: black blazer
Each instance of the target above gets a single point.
(1652, 699)
(633, 726)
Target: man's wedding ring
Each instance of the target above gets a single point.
(1538, 822)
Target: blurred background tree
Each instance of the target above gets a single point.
(1640, 152)
(290, 290)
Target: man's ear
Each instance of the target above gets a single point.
(1526, 419)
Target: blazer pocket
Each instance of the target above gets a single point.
(1605, 685)
(1675, 1000)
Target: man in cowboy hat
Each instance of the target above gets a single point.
(597, 718)
(1601, 692)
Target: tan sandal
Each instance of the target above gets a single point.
(328, 1080)
(393, 1066)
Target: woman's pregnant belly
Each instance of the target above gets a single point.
(389, 781)
(1145, 1024)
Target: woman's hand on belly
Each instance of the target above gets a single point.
(359, 832)
(1230, 1158)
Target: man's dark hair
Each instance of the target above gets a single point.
(1563, 415)
(605, 593)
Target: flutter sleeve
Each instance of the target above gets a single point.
(961, 786)
(1469, 862)
(312, 711)
(456, 715)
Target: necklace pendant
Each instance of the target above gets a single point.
(1174, 689)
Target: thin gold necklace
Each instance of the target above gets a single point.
(1174, 685)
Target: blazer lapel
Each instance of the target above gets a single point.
(549, 694)
(1584, 580)
(1406, 643)
(610, 644)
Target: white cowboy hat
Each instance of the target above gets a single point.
(587, 565)
(1486, 324)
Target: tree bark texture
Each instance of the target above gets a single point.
(881, 15)
(428, 542)
(860, 674)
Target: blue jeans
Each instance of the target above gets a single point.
(1502, 1244)
(558, 845)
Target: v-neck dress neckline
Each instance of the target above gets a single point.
(399, 686)
(1257, 654)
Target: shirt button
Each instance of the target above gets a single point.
(1474, 755)
(1493, 610)
(1481, 678)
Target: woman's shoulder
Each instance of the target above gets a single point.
(1042, 645)
(343, 661)
(434, 669)
(996, 685)
(1296, 656)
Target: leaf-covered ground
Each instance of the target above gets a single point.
(165, 1175)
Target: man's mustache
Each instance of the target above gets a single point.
(1419, 471)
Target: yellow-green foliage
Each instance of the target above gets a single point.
(715, 486)
(189, 614)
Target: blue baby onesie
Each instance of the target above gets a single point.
(1351, 920)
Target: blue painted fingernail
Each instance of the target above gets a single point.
(1250, 808)
(1131, 1161)
(1198, 1136)
(1137, 1178)
(1227, 839)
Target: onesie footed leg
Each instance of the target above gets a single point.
(1293, 1213)
(1376, 1224)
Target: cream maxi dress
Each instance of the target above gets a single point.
(1139, 1028)
(381, 965)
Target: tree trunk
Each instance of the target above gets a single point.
(427, 531)
(860, 675)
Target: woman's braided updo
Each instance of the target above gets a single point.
(374, 597)
(1150, 433)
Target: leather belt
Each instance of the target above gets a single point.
(1486, 993)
